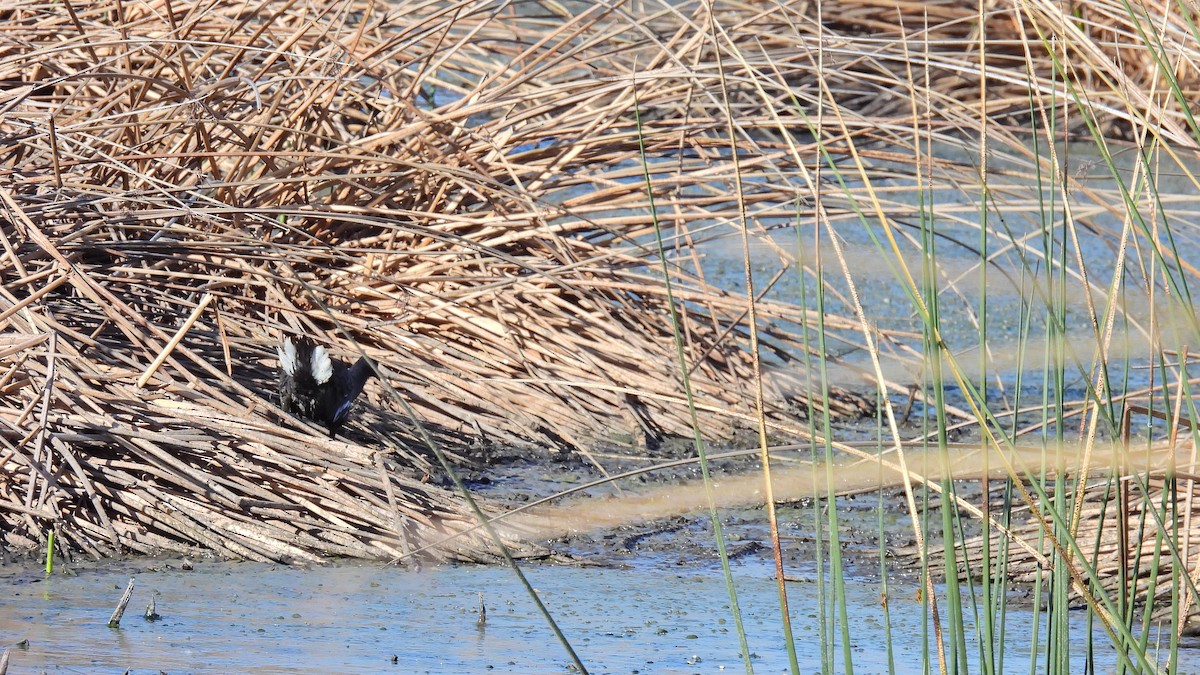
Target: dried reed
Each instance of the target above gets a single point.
(298, 170)
(1132, 530)
(453, 188)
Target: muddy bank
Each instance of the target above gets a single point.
(633, 490)
(655, 507)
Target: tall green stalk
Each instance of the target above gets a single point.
(934, 347)
(50, 552)
(785, 618)
(986, 631)
(825, 644)
(883, 567)
(697, 436)
(835, 546)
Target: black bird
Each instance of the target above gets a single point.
(313, 385)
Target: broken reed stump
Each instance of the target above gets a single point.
(114, 621)
(151, 614)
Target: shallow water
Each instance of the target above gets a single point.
(652, 617)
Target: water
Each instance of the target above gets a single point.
(651, 617)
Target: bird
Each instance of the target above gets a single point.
(316, 386)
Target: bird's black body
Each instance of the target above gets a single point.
(315, 386)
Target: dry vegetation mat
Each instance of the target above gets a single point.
(459, 191)
(183, 183)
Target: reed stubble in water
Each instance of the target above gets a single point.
(114, 621)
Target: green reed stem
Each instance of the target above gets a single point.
(697, 436)
(50, 552)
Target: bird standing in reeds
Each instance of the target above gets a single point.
(315, 386)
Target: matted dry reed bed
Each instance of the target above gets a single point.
(455, 188)
(199, 182)
(1133, 531)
